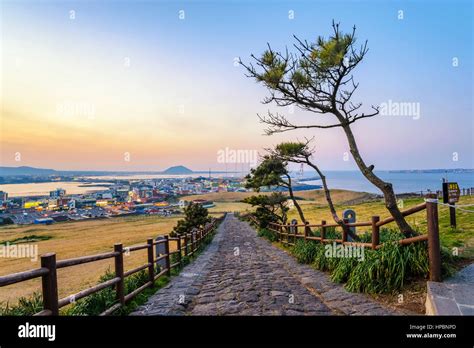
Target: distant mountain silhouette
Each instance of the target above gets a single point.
(176, 170)
(24, 170)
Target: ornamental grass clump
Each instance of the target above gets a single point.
(384, 270)
(388, 268)
(305, 251)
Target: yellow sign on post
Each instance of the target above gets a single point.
(453, 192)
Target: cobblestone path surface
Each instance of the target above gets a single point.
(242, 274)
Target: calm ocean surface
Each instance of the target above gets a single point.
(402, 182)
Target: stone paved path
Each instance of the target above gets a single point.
(242, 274)
(455, 296)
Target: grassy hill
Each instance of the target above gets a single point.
(313, 196)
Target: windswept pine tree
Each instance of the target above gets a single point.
(273, 171)
(300, 152)
(270, 208)
(318, 78)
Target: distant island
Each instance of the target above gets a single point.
(178, 170)
(456, 170)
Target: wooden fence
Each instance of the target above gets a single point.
(186, 245)
(288, 233)
(465, 191)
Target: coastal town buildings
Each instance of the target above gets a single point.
(120, 197)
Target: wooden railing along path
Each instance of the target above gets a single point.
(288, 233)
(186, 245)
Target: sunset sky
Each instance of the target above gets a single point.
(117, 80)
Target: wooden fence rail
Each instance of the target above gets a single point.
(288, 233)
(49, 265)
(466, 191)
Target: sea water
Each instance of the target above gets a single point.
(403, 182)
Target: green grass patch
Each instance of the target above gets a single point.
(26, 239)
(25, 307)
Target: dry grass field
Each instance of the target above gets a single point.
(232, 201)
(74, 239)
(309, 196)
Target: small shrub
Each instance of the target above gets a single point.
(195, 216)
(186, 260)
(268, 234)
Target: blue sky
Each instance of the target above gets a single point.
(188, 65)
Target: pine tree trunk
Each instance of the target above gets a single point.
(385, 187)
(297, 205)
(329, 199)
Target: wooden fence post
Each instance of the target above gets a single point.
(344, 230)
(193, 237)
(151, 261)
(306, 230)
(50, 283)
(180, 259)
(375, 232)
(323, 230)
(434, 251)
(185, 244)
(167, 258)
(119, 288)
